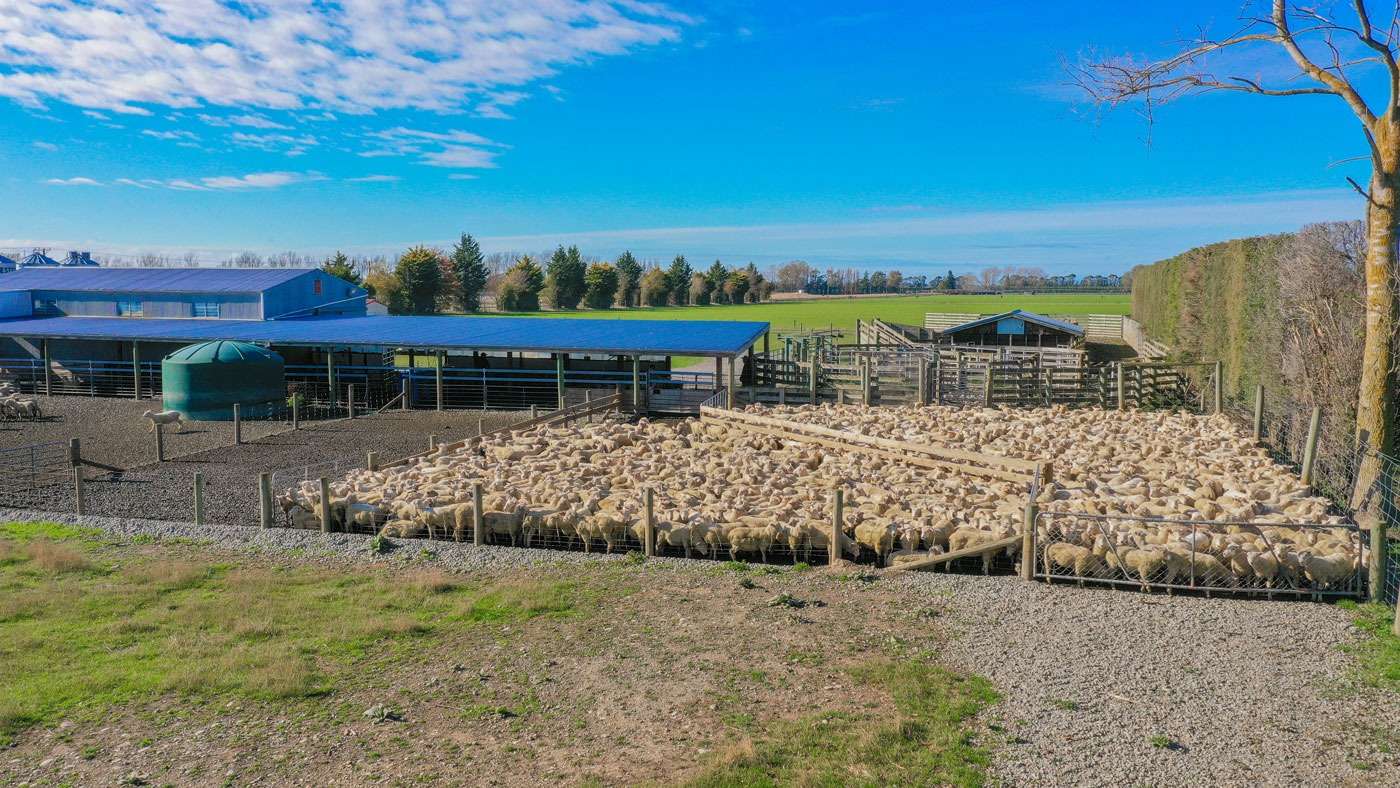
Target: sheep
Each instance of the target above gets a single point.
(586, 481)
(164, 417)
(1080, 561)
(1324, 571)
(878, 536)
(967, 538)
(751, 539)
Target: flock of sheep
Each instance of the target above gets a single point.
(14, 405)
(721, 491)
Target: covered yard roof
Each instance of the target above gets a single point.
(525, 334)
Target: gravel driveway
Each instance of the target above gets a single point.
(1112, 687)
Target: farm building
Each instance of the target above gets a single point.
(99, 330)
(7, 265)
(1017, 328)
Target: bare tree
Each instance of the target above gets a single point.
(1326, 49)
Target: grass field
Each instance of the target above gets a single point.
(842, 312)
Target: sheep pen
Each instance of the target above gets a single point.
(1141, 498)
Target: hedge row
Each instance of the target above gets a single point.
(1218, 303)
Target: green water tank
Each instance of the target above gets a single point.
(204, 381)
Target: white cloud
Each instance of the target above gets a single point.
(188, 136)
(374, 179)
(357, 56)
(460, 156)
(252, 121)
(291, 145)
(41, 145)
(453, 148)
(253, 180)
(462, 176)
(72, 182)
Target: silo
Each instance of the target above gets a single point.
(204, 381)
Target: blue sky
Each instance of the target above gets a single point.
(910, 135)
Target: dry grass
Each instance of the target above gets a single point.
(55, 558)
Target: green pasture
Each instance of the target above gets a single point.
(842, 313)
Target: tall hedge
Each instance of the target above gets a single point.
(1219, 303)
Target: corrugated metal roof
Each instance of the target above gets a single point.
(6, 263)
(152, 280)
(1048, 322)
(533, 334)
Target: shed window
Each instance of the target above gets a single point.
(206, 309)
(45, 306)
(129, 308)
(316, 286)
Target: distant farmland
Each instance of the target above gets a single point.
(842, 312)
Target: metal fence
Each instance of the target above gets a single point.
(82, 377)
(35, 475)
(1304, 559)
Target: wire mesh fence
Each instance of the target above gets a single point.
(31, 475)
(1312, 560)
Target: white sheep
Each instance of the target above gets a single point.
(164, 417)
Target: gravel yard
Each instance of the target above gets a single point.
(1098, 687)
(113, 433)
(1108, 687)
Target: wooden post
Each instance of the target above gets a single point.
(135, 369)
(1121, 384)
(838, 515)
(48, 368)
(987, 385)
(480, 426)
(1028, 529)
(921, 382)
(1258, 414)
(325, 507)
(160, 442)
(372, 461)
(865, 382)
(649, 524)
(296, 410)
(199, 497)
(729, 382)
(441, 360)
(265, 499)
(637, 384)
(814, 369)
(1310, 450)
(432, 443)
(75, 457)
(237, 424)
(350, 400)
(937, 378)
(405, 390)
(1219, 387)
(330, 377)
(1378, 556)
(478, 516)
(534, 411)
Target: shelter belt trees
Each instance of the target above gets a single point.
(1347, 41)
